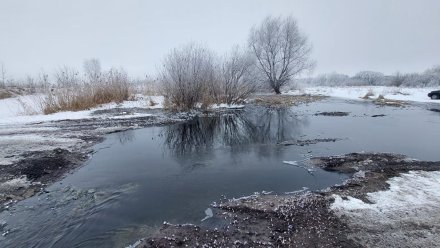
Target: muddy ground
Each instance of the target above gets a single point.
(306, 142)
(304, 219)
(284, 100)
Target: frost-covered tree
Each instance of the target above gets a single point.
(281, 50)
(186, 73)
(332, 79)
(236, 76)
(369, 77)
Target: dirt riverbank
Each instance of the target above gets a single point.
(310, 219)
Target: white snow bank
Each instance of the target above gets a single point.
(25, 109)
(406, 215)
(357, 92)
(410, 190)
(22, 105)
(227, 106)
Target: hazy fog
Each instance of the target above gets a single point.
(347, 36)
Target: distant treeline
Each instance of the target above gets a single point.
(428, 78)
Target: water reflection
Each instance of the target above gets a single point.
(236, 130)
(126, 137)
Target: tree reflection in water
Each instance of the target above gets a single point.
(239, 131)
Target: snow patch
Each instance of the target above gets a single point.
(227, 106)
(15, 183)
(409, 212)
(410, 190)
(295, 163)
(209, 214)
(304, 189)
(358, 92)
(291, 162)
(12, 111)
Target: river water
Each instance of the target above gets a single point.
(138, 179)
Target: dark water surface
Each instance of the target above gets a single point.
(139, 179)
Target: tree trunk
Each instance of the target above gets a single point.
(277, 90)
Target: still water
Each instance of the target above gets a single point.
(140, 178)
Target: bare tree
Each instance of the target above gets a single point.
(282, 51)
(237, 76)
(186, 74)
(3, 76)
(92, 70)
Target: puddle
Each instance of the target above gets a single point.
(138, 179)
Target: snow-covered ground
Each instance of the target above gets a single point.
(357, 92)
(411, 204)
(27, 109)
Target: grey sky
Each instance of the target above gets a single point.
(347, 35)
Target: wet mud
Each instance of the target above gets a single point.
(302, 219)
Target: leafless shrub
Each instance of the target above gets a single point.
(186, 74)
(398, 79)
(67, 77)
(147, 86)
(236, 77)
(281, 50)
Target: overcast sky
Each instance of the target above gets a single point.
(347, 35)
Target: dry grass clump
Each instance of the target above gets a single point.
(76, 95)
(382, 101)
(5, 94)
(152, 103)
